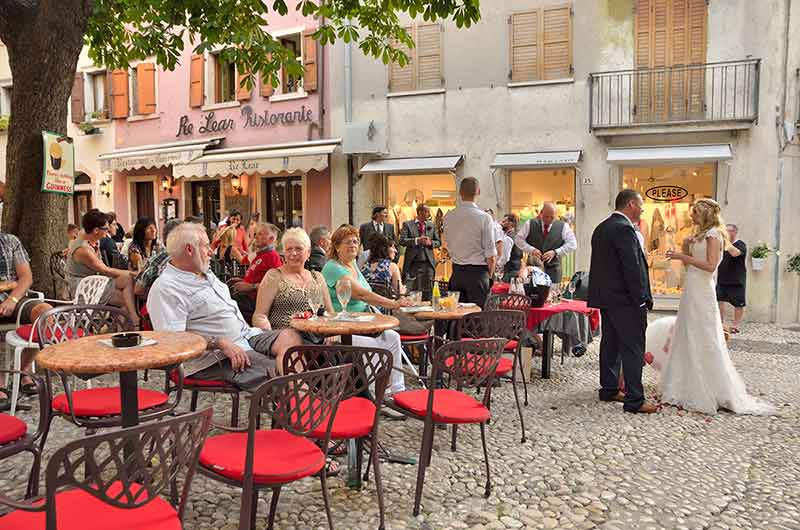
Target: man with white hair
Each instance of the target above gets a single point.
(188, 297)
(549, 239)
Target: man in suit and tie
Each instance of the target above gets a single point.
(379, 224)
(620, 288)
(549, 239)
(420, 238)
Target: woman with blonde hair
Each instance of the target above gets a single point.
(698, 374)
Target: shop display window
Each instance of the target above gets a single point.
(668, 193)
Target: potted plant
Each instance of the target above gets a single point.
(793, 264)
(5, 121)
(88, 127)
(98, 115)
(759, 256)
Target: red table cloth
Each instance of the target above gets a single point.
(537, 315)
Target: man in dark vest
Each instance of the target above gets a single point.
(548, 239)
(420, 238)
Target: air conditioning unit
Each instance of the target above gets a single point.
(364, 138)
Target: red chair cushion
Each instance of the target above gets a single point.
(405, 338)
(188, 381)
(354, 419)
(504, 366)
(280, 456)
(449, 406)
(105, 401)
(25, 333)
(511, 345)
(78, 510)
(11, 428)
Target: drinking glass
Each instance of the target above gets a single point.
(315, 300)
(571, 290)
(343, 293)
(415, 297)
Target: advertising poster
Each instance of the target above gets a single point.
(58, 175)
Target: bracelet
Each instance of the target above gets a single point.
(14, 299)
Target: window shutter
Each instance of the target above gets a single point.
(242, 92)
(77, 107)
(146, 88)
(196, 76)
(309, 62)
(525, 46)
(697, 24)
(429, 56)
(403, 78)
(119, 93)
(556, 42)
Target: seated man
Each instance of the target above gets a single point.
(245, 291)
(188, 297)
(15, 267)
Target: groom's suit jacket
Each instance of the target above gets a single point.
(618, 275)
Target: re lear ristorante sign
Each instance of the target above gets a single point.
(248, 119)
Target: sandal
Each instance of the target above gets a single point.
(332, 468)
(29, 389)
(337, 449)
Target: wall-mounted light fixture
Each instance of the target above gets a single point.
(105, 188)
(236, 184)
(167, 184)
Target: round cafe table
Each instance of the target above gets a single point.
(441, 315)
(330, 327)
(88, 355)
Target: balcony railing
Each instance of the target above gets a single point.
(686, 94)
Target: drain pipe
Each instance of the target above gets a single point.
(348, 119)
(779, 177)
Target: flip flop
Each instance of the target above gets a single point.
(29, 389)
(337, 449)
(332, 467)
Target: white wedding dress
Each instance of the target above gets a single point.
(698, 374)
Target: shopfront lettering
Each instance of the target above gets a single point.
(666, 193)
(249, 119)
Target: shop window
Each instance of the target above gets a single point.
(540, 44)
(424, 68)
(531, 188)
(668, 194)
(284, 200)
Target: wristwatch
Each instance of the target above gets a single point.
(13, 299)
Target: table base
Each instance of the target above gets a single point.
(547, 353)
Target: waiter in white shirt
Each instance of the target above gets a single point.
(548, 239)
(469, 233)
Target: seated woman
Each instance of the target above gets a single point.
(380, 267)
(83, 259)
(227, 251)
(145, 244)
(535, 271)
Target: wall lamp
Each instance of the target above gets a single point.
(167, 184)
(105, 188)
(236, 184)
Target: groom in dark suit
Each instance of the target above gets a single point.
(620, 288)
(420, 238)
(379, 225)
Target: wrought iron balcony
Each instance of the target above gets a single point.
(724, 93)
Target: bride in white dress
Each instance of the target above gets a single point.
(699, 374)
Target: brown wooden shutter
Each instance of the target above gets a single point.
(146, 88)
(77, 107)
(524, 46)
(403, 78)
(556, 42)
(697, 38)
(429, 56)
(242, 92)
(642, 82)
(119, 93)
(309, 62)
(196, 75)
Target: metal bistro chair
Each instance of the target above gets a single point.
(463, 363)
(255, 459)
(358, 414)
(95, 408)
(117, 479)
(15, 438)
(514, 302)
(58, 271)
(511, 326)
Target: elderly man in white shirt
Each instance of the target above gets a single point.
(470, 236)
(548, 239)
(188, 297)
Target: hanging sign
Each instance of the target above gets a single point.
(58, 174)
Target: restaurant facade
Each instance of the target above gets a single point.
(195, 142)
(571, 104)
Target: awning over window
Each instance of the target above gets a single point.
(150, 156)
(678, 154)
(291, 158)
(536, 159)
(426, 164)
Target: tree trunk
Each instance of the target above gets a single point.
(43, 43)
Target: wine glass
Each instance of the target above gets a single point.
(571, 290)
(343, 292)
(315, 300)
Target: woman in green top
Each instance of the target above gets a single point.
(342, 264)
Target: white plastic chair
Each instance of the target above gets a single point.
(88, 292)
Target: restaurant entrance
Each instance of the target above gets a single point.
(206, 202)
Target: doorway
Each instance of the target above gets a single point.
(81, 203)
(284, 200)
(145, 206)
(206, 202)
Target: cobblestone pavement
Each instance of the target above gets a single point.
(586, 464)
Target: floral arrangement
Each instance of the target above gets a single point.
(793, 264)
(761, 251)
